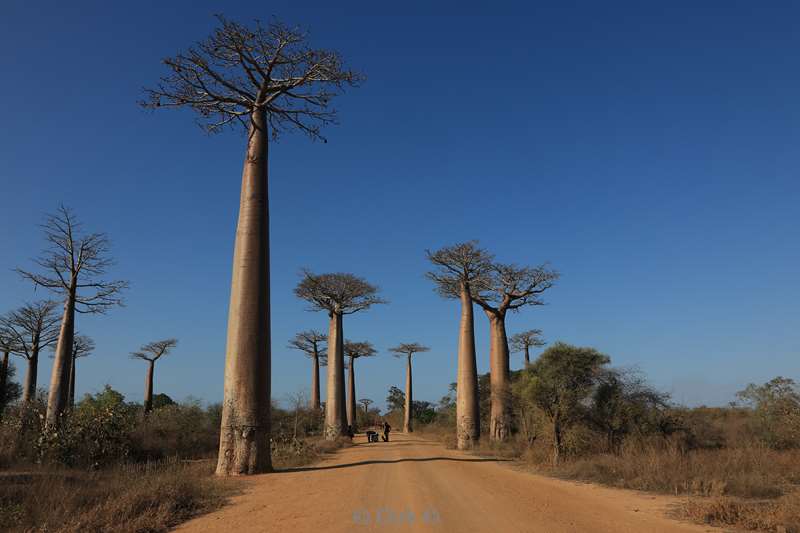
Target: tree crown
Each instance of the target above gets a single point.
(337, 293)
(408, 349)
(239, 69)
(154, 350)
(463, 264)
(34, 326)
(310, 342)
(526, 339)
(354, 350)
(511, 287)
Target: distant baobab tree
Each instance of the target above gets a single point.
(312, 344)
(82, 346)
(268, 81)
(524, 341)
(355, 350)
(407, 350)
(75, 264)
(5, 348)
(462, 269)
(151, 353)
(507, 288)
(29, 330)
(365, 403)
(339, 294)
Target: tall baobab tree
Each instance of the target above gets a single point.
(524, 341)
(508, 288)
(462, 269)
(312, 344)
(355, 350)
(339, 294)
(151, 353)
(407, 350)
(30, 329)
(74, 266)
(268, 81)
(82, 346)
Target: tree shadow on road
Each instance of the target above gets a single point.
(388, 461)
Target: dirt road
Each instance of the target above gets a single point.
(412, 484)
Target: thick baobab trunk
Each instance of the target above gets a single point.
(315, 383)
(351, 398)
(244, 446)
(499, 377)
(148, 387)
(468, 426)
(59, 378)
(335, 417)
(409, 398)
(71, 395)
(29, 387)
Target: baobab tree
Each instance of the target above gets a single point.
(82, 346)
(75, 264)
(339, 294)
(365, 403)
(355, 350)
(460, 270)
(507, 288)
(407, 350)
(524, 341)
(312, 344)
(151, 353)
(29, 330)
(267, 81)
(5, 348)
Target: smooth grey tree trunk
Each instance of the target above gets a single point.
(315, 382)
(468, 426)
(407, 427)
(148, 387)
(351, 396)
(527, 355)
(500, 423)
(71, 395)
(244, 446)
(59, 378)
(29, 387)
(335, 417)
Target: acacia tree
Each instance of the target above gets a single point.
(355, 350)
(75, 264)
(82, 346)
(461, 269)
(311, 343)
(29, 330)
(407, 350)
(507, 289)
(524, 341)
(339, 294)
(268, 81)
(151, 353)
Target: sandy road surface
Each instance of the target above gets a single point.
(412, 484)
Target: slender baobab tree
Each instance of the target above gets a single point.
(407, 350)
(30, 329)
(82, 346)
(365, 403)
(268, 81)
(312, 344)
(355, 350)
(339, 294)
(151, 353)
(75, 264)
(460, 270)
(524, 341)
(507, 289)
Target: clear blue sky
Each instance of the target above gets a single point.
(648, 153)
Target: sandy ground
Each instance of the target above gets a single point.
(413, 484)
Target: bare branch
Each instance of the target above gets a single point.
(355, 350)
(31, 328)
(463, 264)
(338, 293)
(153, 351)
(408, 349)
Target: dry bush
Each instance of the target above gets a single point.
(782, 514)
(133, 499)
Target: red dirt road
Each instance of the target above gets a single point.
(413, 484)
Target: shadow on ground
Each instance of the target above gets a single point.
(390, 461)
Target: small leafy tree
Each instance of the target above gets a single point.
(396, 399)
(777, 406)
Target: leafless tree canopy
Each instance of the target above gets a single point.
(76, 260)
(511, 287)
(354, 350)
(407, 349)
(32, 326)
(338, 293)
(463, 263)
(526, 339)
(240, 69)
(311, 342)
(155, 350)
(82, 346)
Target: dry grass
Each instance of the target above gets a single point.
(131, 499)
(782, 514)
